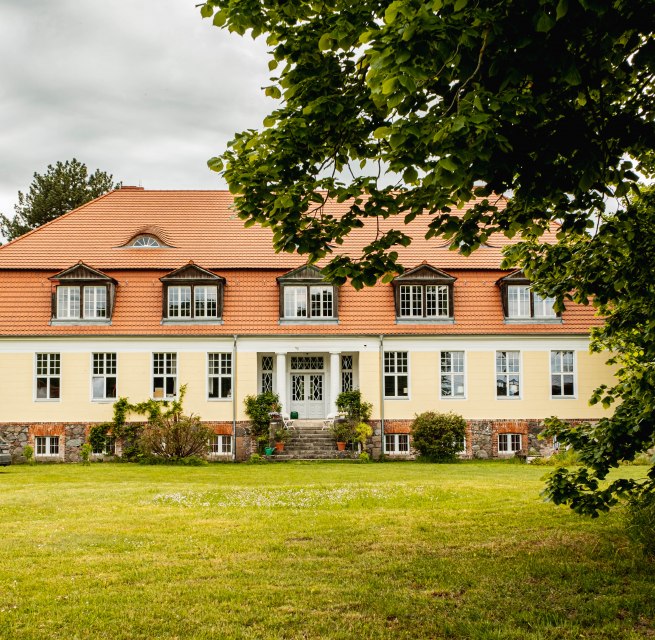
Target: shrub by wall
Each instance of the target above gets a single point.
(438, 436)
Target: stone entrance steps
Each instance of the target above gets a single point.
(309, 440)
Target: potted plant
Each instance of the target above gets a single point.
(280, 436)
(343, 432)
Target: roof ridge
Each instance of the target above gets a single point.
(63, 215)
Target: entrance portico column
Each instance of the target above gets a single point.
(281, 379)
(335, 374)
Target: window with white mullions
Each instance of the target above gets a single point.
(103, 380)
(509, 442)
(518, 301)
(321, 298)
(396, 443)
(220, 376)
(436, 301)
(508, 374)
(95, 302)
(295, 302)
(396, 379)
(68, 302)
(267, 374)
(205, 301)
(164, 379)
(543, 307)
(179, 302)
(107, 449)
(411, 300)
(48, 376)
(452, 374)
(347, 373)
(220, 445)
(562, 374)
(46, 445)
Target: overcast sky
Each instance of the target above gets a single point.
(143, 89)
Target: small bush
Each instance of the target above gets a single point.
(364, 457)
(356, 409)
(85, 453)
(175, 437)
(564, 458)
(438, 436)
(640, 521)
(28, 453)
(255, 458)
(258, 409)
(188, 461)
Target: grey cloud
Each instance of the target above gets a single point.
(145, 90)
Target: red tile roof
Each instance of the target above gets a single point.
(201, 226)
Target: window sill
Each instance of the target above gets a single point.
(80, 322)
(426, 321)
(219, 399)
(509, 398)
(533, 320)
(563, 397)
(192, 321)
(103, 400)
(47, 399)
(448, 398)
(396, 397)
(308, 321)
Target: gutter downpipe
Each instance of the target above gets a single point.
(381, 394)
(234, 397)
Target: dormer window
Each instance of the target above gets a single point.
(82, 294)
(424, 294)
(305, 296)
(520, 303)
(192, 294)
(146, 242)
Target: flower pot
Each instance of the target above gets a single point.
(341, 446)
(279, 446)
(269, 451)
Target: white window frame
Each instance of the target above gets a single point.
(462, 451)
(396, 374)
(451, 374)
(103, 374)
(326, 298)
(411, 295)
(508, 373)
(47, 376)
(545, 306)
(169, 356)
(263, 371)
(222, 444)
(90, 293)
(509, 439)
(224, 360)
(343, 371)
(522, 295)
(176, 297)
(68, 305)
(49, 441)
(561, 375)
(209, 293)
(441, 293)
(293, 294)
(396, 438)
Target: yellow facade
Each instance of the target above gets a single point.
(18, 404)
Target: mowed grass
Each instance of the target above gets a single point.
(394, 550)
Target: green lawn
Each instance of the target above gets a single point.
(397, 550)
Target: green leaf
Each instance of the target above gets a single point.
(459, 5)
(220, 18)
(382, 132)
(325, 42)
(448, 164)
(215, 164)
(572, 76)
(397, 139)
(411, 175)
(562, 9)
(206, 11)
(388, 86)
(545, 23)
(273, 92)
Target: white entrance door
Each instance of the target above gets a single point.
(308, 395)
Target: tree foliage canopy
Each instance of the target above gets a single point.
(63, 187)
(412, 107)
(408, 108)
